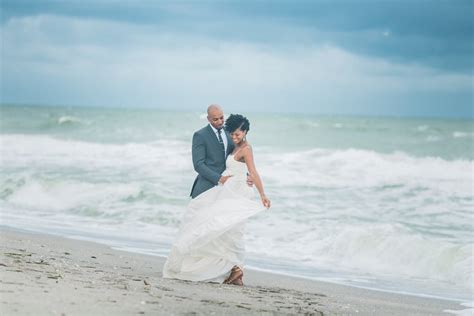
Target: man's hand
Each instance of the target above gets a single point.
(223, 179)
(249, 181)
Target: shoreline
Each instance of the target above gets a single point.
(368, 288)
(52, 275)
(103, 240)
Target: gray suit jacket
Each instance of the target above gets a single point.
(208, 159)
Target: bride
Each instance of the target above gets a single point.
(210, 242)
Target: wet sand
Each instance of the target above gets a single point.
(50, 275)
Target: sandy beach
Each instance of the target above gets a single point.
(50, 275)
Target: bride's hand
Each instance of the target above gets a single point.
(266, 202)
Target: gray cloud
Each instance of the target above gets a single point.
(434, 33)
(193, 57)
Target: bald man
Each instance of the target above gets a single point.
(211, 146)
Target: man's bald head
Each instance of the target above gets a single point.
(215, 115)
(213, 107)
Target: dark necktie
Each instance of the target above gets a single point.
(219, 131)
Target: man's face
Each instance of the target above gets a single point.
(216, 118)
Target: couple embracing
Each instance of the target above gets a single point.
(210, 242)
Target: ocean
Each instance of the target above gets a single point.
(381, 203)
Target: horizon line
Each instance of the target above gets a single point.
(312, 113)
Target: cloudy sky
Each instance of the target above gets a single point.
(368, 57)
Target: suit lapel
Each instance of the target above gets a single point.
(214, 137)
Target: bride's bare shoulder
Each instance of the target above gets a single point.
(247, 149)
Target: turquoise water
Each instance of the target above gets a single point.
(447, 139)
(385, 203)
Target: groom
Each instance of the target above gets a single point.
(211, 145)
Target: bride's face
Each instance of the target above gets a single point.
(238, 135)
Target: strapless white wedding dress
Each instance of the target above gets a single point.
(210, 240)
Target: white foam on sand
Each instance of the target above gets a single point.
(462, 312)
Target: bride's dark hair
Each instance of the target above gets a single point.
(235, 121)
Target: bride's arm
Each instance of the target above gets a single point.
(248, 156)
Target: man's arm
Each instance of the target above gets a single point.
(199, 158)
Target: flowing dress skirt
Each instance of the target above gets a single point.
(210, 240)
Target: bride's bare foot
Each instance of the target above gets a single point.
(235, 276)
(238, 281)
